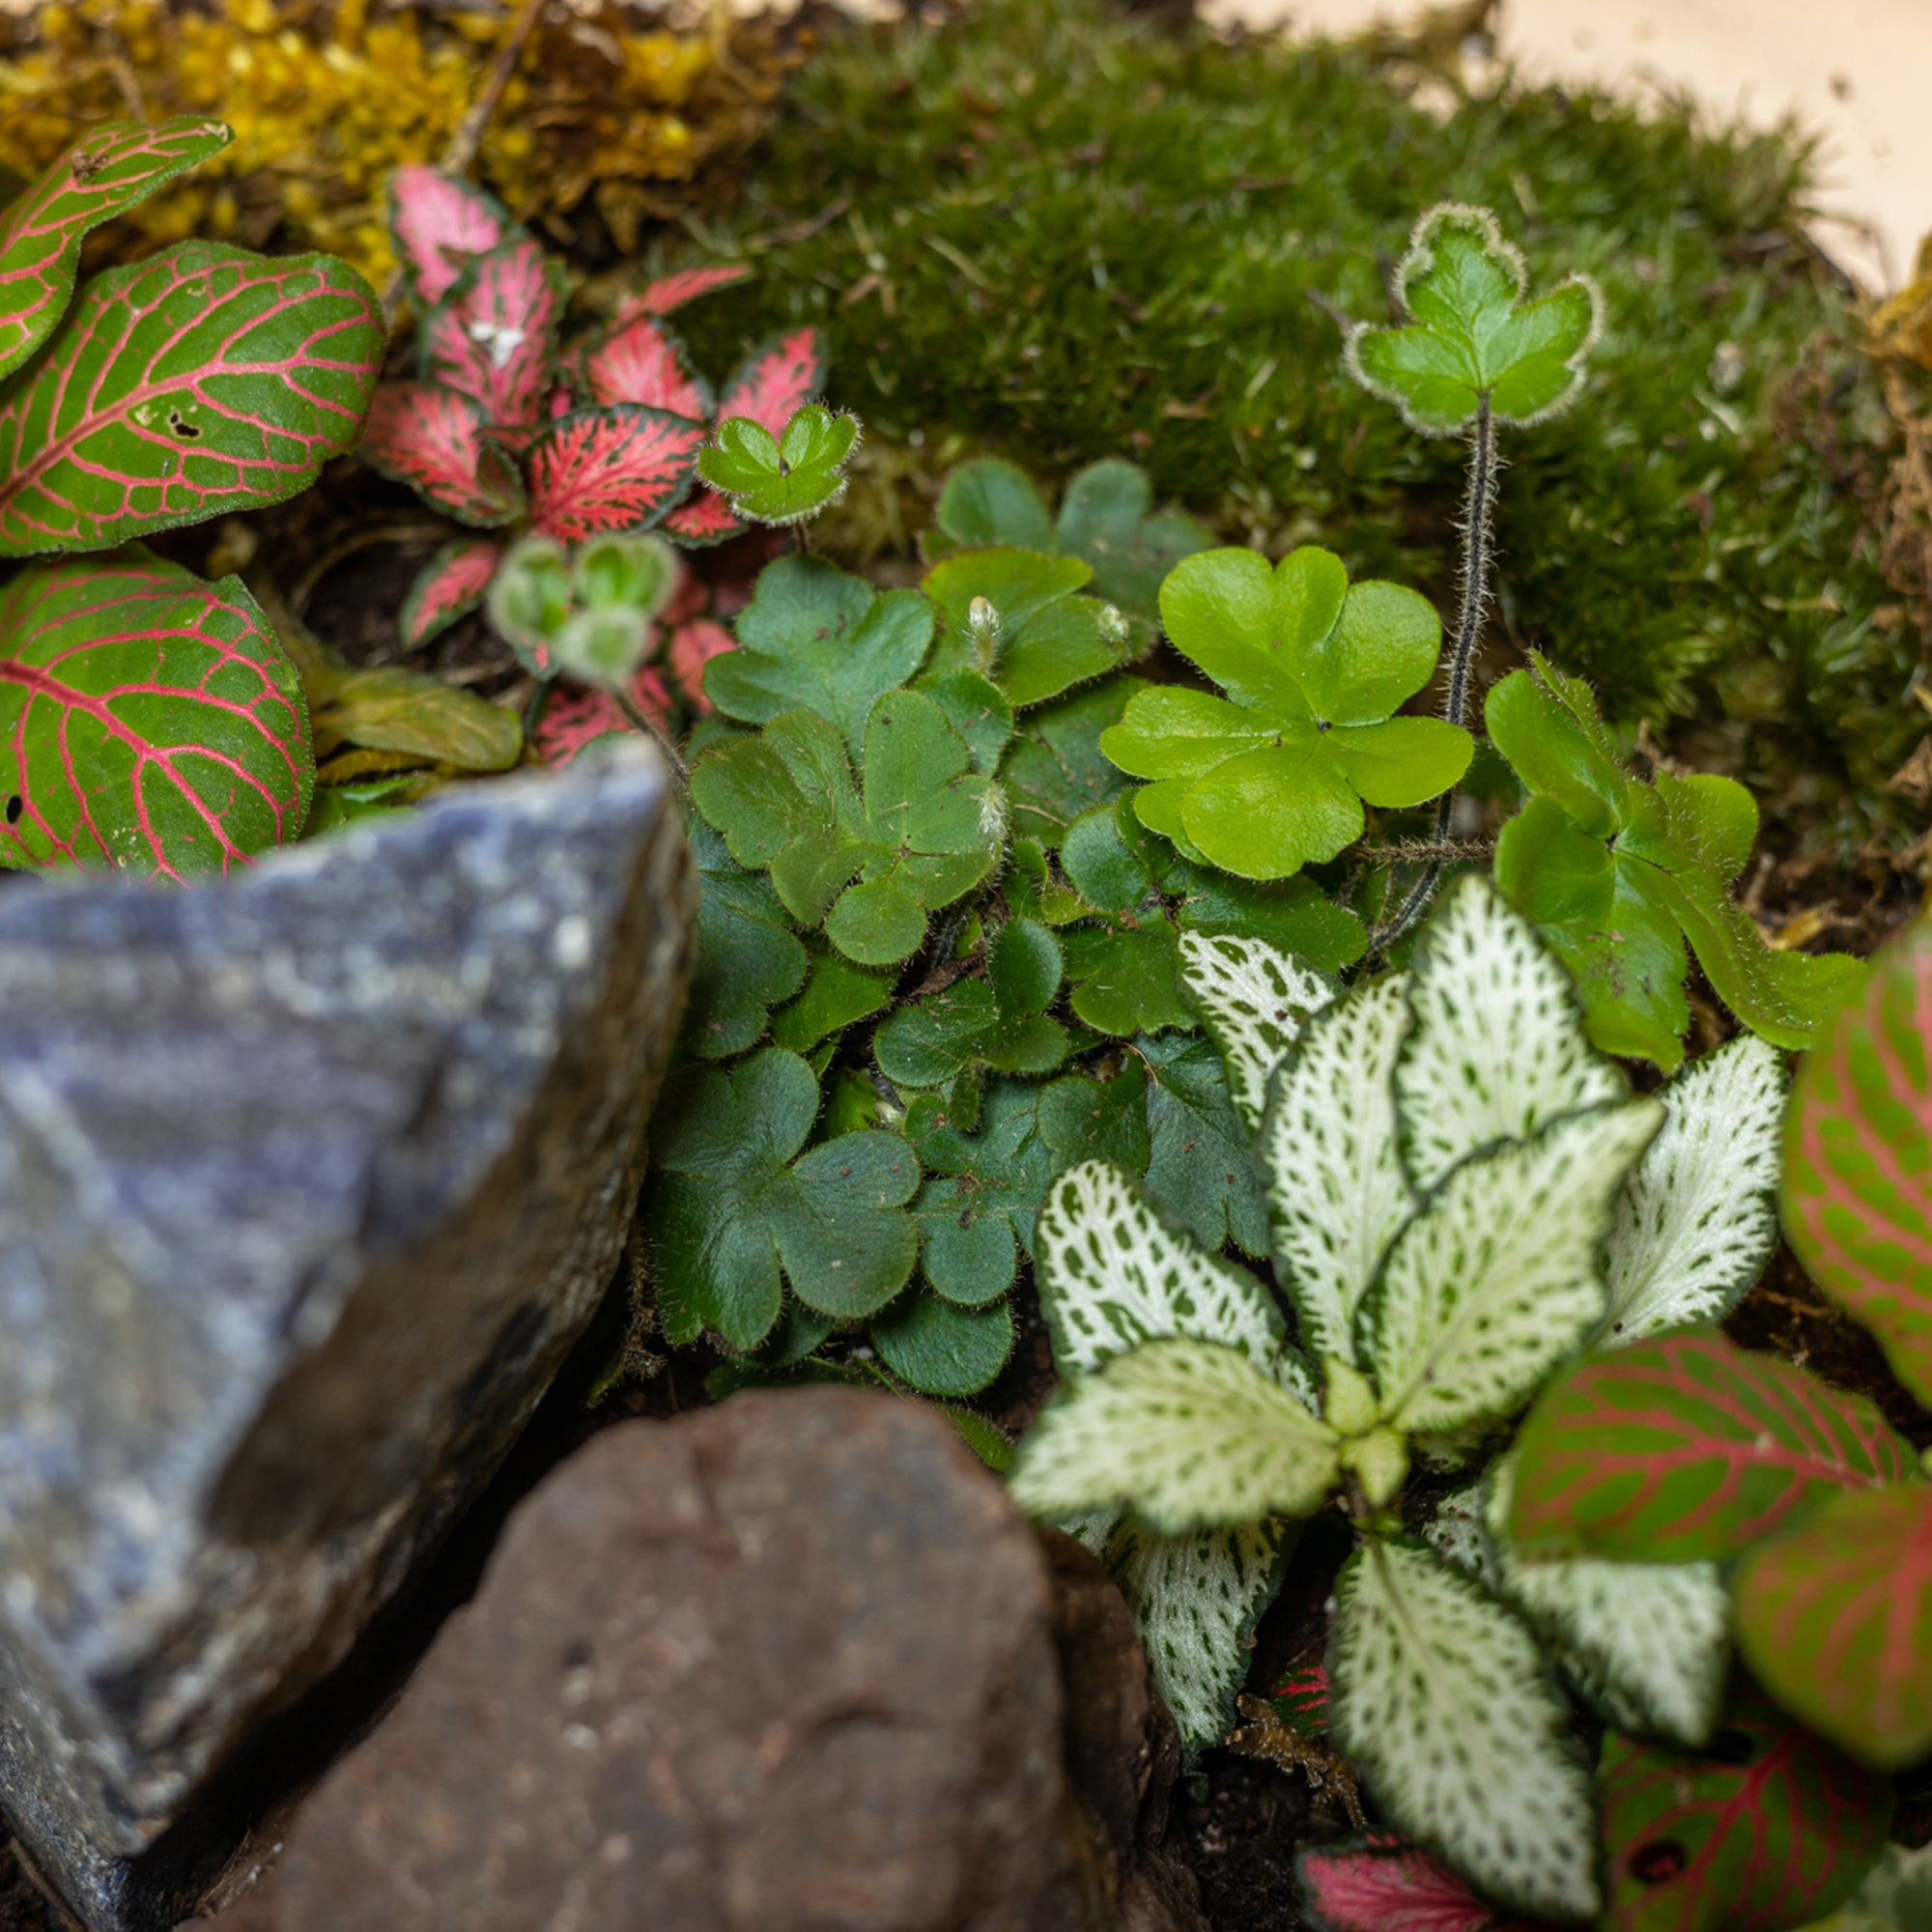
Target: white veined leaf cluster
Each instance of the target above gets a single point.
(1191, 1433)
(1442, 1701)
(1697, 1220)
(1255, 1000)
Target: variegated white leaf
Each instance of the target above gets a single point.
(1498, 1049)
(1496, 1279)
(1196, 1599)
(1337, 1190)
(1113, 1274)
(1647, 1643)
(1697, 1219)
(1254, 999)
(1190, 1434)
(1442, 1701)
(1459, 1532)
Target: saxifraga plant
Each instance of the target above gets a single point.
(157, 726)
(1461, 1193)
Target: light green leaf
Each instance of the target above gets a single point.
(1498, 1049)
(1496, 1280)
(780, 479)
(1442, 1701)
(1697, 1219)
(1471, 333)
(1648, 1643)
(1113, 1275)
(1044, 638)
(1255, 1000)
(1196, 1600)
(1191, 1433)
(389, 709)
(1337, 1191)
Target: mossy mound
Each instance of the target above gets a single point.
(1063, 234)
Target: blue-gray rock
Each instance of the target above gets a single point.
(308, 1180)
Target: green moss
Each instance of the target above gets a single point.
(1065, 236)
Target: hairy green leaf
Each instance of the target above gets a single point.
(748, 959)
(1274, 775)
(1096, 1120)
(1684, 1449)
(1033, 635)
(1834, 1618)
(1191, 1434)
(814, 639)
(976, 1211)
(941, 1348)
(1471, 335)
(1442, 1702)
(734, 1209)
(780, 479)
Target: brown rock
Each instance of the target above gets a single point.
(785, 1665)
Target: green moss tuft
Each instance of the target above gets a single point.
(1065, 234)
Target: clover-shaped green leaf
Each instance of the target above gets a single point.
(942, 1348)
(1471, 338)
(813, 638)
(734, 1209)
(998, 1022)
(1274, 775)
(1054, 769)
(1618, 874)
(780, 479)
(867, 860)
(1105, 519)
(1018, 617)
(977, 1206)
(836, 995)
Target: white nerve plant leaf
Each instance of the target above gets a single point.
(1337, 1191)
(1697, 1220)
(1255, 1000)
(1489, 1287)
(1647, 1643)
(1189, 1433)
(1196, 1600)
(1113, 1274)
(1442, 1702)
(1498, 1047)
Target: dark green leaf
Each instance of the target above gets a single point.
(837, 995)
(748, 959)
(1096, 1120)
(1199, 1172)
(977, 1208)
(990, 504)
(1055, 769)
(976, 710)
(1105, 519)
(940, 1348)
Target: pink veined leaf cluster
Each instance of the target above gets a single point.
(505, 425)
(1389, 1884)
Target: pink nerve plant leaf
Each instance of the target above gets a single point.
(693, 646)
(1386, 1885)
(439, 224)
(149, 721)
(775, 381)
(204, 381)
(642, 362)
(433, 440)
(574, 716)
(450, 584)
(672, 292)
(704, 518)
(614, 468)
(494, 338)
(105, 174)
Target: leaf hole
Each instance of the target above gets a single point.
(1657, 1861)
(1731, 1746)
(14, 810)
(182, 427)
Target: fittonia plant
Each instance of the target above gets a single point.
(508, 427)
(1461, 1192)
(154, 722)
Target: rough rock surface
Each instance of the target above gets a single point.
(307, 1182)
(791, 1665)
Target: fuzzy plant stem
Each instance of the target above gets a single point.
(640, 719)
(1478, 576)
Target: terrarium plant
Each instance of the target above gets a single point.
(156, 724)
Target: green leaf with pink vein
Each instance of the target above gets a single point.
(115, 167)
(201, 381)
(1858, 1159)
(149, 721)
(1685, 1449)
(1835, 1619)
(1767, 1828)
